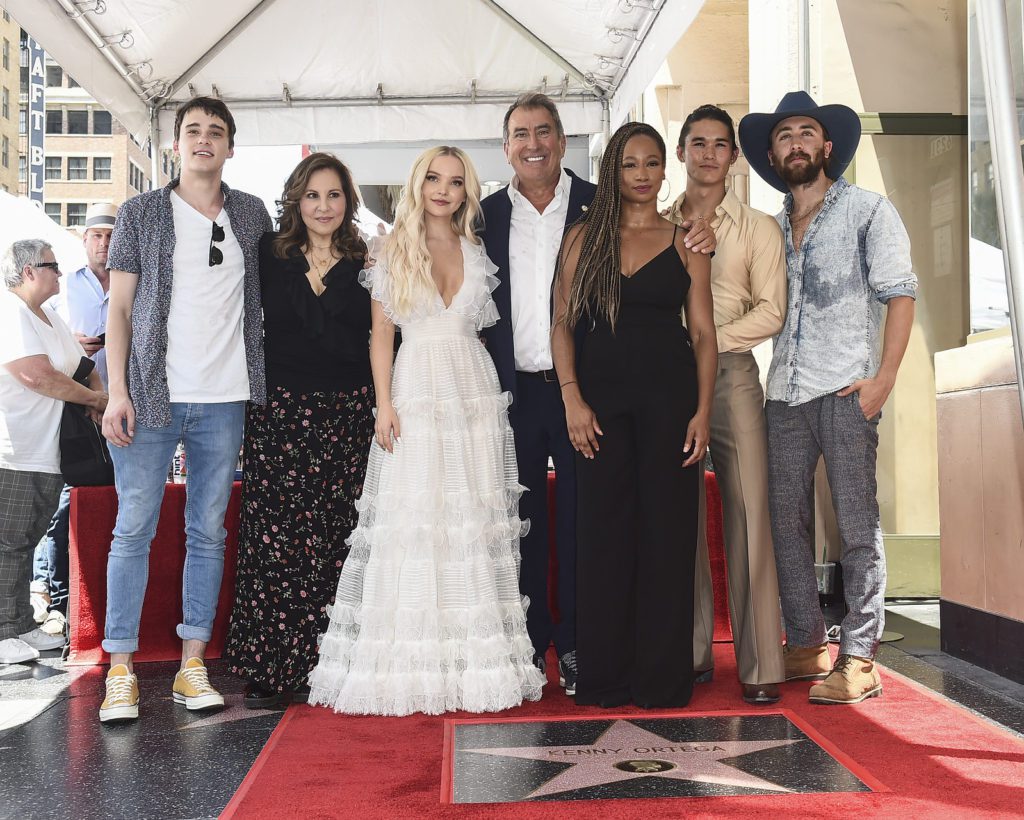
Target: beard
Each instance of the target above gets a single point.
(804, 174)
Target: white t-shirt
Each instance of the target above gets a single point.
(30, 421)
(205, 348)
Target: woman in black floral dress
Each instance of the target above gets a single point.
(305, 451)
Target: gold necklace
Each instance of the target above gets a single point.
(320, 266)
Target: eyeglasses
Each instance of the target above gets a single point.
(216, 254)
(51, 265)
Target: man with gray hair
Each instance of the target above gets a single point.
(82, 303)
(39, 354)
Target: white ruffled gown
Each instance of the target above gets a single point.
(428, 616)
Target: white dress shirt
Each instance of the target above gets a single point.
(83, 303)
(533, 242)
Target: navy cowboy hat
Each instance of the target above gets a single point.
(840, 122)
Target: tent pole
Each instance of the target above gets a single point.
(1004, 133)
(154, 145)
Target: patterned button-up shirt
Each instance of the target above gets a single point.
(143, 244)
(855, 257)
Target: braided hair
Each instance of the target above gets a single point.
(597, 280)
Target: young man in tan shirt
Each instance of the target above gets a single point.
(748, 282)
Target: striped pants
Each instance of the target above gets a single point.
(27, 503)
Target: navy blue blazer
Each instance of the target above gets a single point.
(497, 211)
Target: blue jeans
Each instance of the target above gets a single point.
(212, 435)
(51, 562)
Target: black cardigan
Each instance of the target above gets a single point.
(314, 343)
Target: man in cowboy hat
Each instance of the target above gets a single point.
(82, 303)
(835, 362)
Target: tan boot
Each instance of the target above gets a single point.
(806, 662)
(852, 680)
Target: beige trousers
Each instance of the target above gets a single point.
(740, 454)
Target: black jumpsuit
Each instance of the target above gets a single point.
(637, 506)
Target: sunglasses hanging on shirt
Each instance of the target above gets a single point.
(216, 254)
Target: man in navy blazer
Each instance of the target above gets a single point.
(523, 228)
(524, 224)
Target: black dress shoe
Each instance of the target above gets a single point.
(301, 694)
(256, 697)
(760, 693)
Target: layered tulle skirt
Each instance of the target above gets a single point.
(428, 616)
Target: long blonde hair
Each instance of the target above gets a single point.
(406, 246)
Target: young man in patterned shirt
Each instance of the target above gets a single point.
(184, 354)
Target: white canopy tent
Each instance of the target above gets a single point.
(20, 219)
(299, 71)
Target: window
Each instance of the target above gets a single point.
(5, 152)
(101, 122)
(76, 214)
(163, 159)
(24, 79)
(78, 122)
(78, 168)
(136, 178)
(54, 122)
(22, 168)
(72, 83)
(5, 103)
(53, 76)
(7, 51)
(52, 210)
(101, 168)
(7, 16)
(53, 166)
(22, 121)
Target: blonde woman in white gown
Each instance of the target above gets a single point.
(428, 616)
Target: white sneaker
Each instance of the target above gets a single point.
(55, 624)
(38, 639)
(15, 650)
(40, 601)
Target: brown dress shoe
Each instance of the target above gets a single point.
(852, 680)
(806, 662)
(760, 692)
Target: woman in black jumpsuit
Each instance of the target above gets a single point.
(638, 408)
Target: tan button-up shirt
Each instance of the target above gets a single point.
(748, 274)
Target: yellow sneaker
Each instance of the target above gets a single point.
(122, 700)
(852, 680)
(806, 662)
(192, 688)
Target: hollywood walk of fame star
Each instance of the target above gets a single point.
(625, 752)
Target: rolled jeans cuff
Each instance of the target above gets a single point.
(194, 633)
(120, 646)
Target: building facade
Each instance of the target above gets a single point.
(89, 156)
(10, 34)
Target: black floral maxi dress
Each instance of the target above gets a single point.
(304, 462)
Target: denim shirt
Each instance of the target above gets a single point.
(143, 243)
(855, 257)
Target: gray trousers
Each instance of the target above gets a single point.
(835, 428)
(27, 503)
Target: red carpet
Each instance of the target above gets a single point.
(94, 509)
(935, 758)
